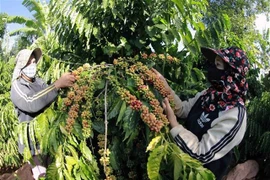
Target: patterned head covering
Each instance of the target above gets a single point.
(231, 90)
(22, 58)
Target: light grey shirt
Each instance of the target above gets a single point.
(31, 98)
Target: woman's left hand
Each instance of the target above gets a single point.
(170, 113)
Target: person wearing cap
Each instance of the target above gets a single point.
(215, 118)
(31, 96)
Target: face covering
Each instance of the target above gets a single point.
(30, 70)
(214, 74)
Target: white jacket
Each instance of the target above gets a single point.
(225, 132)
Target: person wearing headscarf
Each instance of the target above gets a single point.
(215, 118)
(31, 96)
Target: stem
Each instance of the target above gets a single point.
(106, 126)
(80, 64)
(100, 93)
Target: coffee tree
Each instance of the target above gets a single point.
(110, 125)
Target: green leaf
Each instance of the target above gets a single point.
(99, 126)
(86, 151)
(130, 121)
(72, 140)
(50, 115)
(73, 152)
(198, 177)
(191, 176)
(114, 157)
(59, 158)
(177, 72)
(77, 129)
(199, 74)
(161, 26)
(63, 130)
(115, 109)
(88, 155)
(67, 175)
(101, 84)
(153, 143)
(43, 123)
(131, 82)
(70, 161)
(122, 112)
(178, 166)
(154, 160)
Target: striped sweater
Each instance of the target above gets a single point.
(209, 136)
(31, 98)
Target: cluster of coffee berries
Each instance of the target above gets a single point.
(132, 101)
(148, 95)
(142, 76)
(154, 103)
(105, 158)
(150, 119)
(86, 127)
(151, 77)
(159, 85)
(69, 124)
(135, 104)
(156, 57)
(78, 100)
(157, 82)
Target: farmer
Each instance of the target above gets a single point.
(31, 96)
(215, 118)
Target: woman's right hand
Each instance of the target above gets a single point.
(169, 112)
(163, 80)
(66, 80)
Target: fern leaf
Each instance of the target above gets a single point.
(51, 172)
(18, 19)
(25, 30)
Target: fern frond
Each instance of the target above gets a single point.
(264, 144)
(26, 30)
(38, 8)
(18, 19)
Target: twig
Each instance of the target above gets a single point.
(106, 126)
(100, 93)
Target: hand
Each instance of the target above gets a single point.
(163, 80)
(169, 112)
(66, 80)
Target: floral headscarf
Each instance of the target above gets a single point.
(231, 90)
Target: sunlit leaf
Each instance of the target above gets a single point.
(154, 160)
(153, 143)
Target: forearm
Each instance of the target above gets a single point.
(36, 102)
(182, 108)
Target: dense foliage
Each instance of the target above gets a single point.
(103, 125)
(9, 157)
(3, 18)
